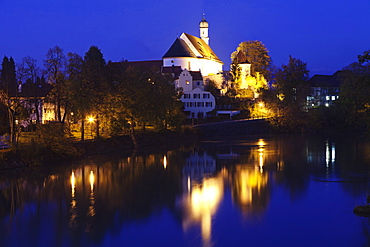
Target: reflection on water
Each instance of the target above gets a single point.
(203, 193)
(105, 201)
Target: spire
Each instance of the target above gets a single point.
(203, 29)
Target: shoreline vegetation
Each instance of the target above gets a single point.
(52, 145)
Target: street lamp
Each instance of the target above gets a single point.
(91, 120)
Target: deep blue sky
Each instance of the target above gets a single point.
(326, 34)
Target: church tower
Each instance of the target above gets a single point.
(203, 28)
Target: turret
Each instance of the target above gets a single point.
(203, 28)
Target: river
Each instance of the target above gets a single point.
(266, 190)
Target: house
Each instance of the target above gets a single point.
(324, 89)
(197, 102)
(34, 98)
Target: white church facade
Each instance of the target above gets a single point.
(196, 61)
(193, 53)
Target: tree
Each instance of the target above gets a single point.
(29, 71)
(8, 75)
(8, 94)
(55, 65)
(291, 83)
(95, 79)
(77, 94)
(354, 98)
(257, 55)
(287, 98)
(365, 57)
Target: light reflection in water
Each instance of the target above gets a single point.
(248, 184)
(165, 162)
(91, 179)
(91, 210)
(73, 209)
(201, 204)
(261, 149)
(203, 194)
(73, 183)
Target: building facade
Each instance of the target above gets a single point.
(324, 89)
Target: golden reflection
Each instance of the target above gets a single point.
(91, 179)
(91, 211)
(248, 184)
(73, 183)
(73, 209)
(202, 203)
(261, 149)
(261, 143)
(165, 162)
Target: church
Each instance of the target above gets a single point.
(192, 62)
(193, 53)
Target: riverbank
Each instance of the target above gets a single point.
(140, 141)
(39, 153)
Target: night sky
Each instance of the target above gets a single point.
(326, 34)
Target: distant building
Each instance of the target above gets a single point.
(324, 89)
(35, 99)
(244, 65)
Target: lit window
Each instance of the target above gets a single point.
(327, 97)
(332, 97)
(187, 82)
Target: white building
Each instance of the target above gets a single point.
(196, 60)
(193, 53)
(197, 102)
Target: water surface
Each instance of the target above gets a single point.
(274, 190)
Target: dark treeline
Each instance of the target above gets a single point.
(80, 94)
(116, 96)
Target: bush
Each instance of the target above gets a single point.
(52, 143)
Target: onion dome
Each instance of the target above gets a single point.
(203, 23)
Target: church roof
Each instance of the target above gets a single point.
(202, 47)
(181, 48)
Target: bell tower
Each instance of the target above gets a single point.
(203, 28)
